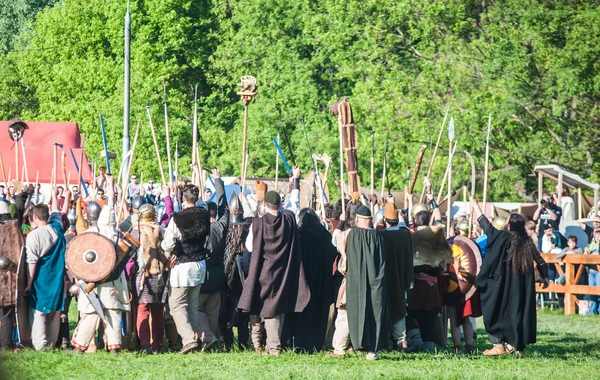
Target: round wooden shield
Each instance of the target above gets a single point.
(91, 257)
(466, 264)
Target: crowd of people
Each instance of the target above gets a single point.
(363, 277)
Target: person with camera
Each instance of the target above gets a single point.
(547, 215)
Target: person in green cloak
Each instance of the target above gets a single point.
(366, 293)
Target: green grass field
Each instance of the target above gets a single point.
(568, 347)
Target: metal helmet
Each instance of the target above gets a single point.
(235, 209)
(5, 263)
(93, 212)
(378, 218)
(147, 213)
(418, 207)
(500, 222)
(137, 202)
(463, 228)
(160, 211)
(72, 216)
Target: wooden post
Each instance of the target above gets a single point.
(540, 186)
(570, 280)
(579, 204)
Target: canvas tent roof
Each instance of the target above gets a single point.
(569, 179)
(38, 141)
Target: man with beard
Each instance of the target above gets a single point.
(184, 243)
(366, 292)
(276, 283)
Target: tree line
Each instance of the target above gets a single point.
(532, 64)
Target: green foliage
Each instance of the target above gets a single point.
(531, 64)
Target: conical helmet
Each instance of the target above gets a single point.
(235, 209)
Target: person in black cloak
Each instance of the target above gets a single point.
(276, 283)
(366, 287)
(309, 327)
(229, 317)
(507, 284)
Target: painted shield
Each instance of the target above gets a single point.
(91, 257)
(466, 264)
(22, 310)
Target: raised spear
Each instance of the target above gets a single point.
(487, 157)
(449, 208)
(167, 133)
(437, 144)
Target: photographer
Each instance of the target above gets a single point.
(548, 215)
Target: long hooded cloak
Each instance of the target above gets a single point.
(276, 283)
(366, 290)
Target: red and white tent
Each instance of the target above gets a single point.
(38, 141)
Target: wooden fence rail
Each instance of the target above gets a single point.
(573, 270)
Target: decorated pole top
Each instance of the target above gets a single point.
(248, 91)
(16, 128)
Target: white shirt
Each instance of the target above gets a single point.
(185, 274)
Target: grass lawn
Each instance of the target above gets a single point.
(568, 347)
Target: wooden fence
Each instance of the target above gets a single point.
(573, 270)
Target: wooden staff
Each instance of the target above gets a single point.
(64, 170)
(385, 152)
(417, 168)
(195, 133)
(135, 140)
(17, 160)
(372, 162)
(177, 162)
(160, 167)
(200, 178)
(487, 157)
(167, 133)
(80, 171)
(68, 178)
(449, 206)
(53, 182)
(277, 164)
(343, 198)
(437, 144)
(22, 172)
(244, 171)
(3, 172)
(9, 175)
(24, 161)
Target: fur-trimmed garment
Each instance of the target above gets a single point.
(150, 280)
(194, 225)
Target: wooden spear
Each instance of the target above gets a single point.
(277, 164)
(24, 161)
(160, 167)
(372, 162)
(416, 169)
(64, 169)
(17, 160)
(487, 157)
(135, 140)
(449, 206)
(195, 133)
(437, 144)
(3, 172)
(167, 133)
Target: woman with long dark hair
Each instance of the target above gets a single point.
(309, 327)
(507, 284)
